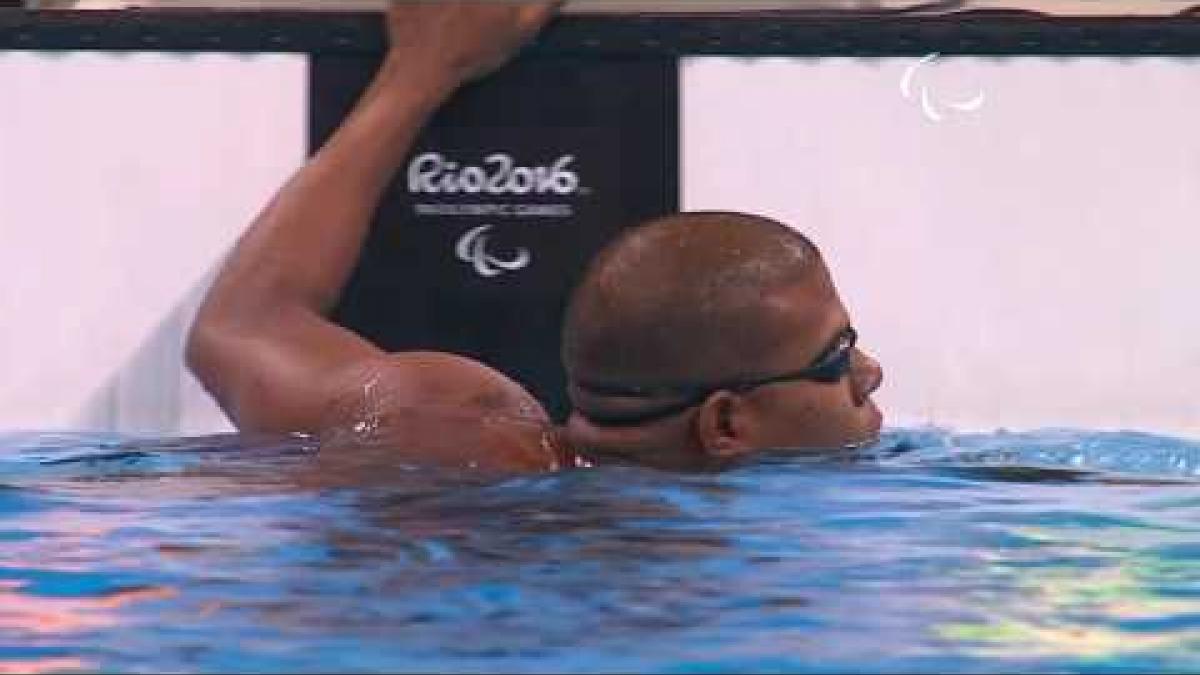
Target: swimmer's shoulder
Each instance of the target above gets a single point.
(444, 410)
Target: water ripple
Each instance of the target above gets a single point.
(1042, 551)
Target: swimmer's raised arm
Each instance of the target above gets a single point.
(262, 344)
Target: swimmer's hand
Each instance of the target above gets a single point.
(463, 39)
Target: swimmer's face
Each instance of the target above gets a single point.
(832, 411)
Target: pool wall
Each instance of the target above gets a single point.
(1013, 234)
(124, 178)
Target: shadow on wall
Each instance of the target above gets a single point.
(152, 392)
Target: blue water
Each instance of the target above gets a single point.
(1048, 551)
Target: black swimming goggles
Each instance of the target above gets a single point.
(830, 367)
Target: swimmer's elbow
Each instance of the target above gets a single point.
(200, 354)
(196, 349)
(213, 357)
(211, 354)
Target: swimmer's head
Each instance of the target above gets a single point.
(699, 337)
(445, 410)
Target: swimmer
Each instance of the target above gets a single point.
(262, 343)
(698, 338)
(693, 341)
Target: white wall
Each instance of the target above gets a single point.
(123, 180)
(1029, 263)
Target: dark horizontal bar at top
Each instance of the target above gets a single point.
(641, 36)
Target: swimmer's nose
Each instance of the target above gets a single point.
(865, 376)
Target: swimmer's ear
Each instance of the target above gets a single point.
(724, 426)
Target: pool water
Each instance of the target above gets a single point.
(1049, 551)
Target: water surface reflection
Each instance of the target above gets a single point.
(936, 552)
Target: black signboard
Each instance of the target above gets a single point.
(507, 195)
